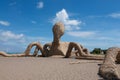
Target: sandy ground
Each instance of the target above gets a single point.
(52, 68)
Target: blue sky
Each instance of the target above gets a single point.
(92, 23)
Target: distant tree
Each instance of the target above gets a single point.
(98, 51)
(104, 51)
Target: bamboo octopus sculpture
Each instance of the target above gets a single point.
(108, 70)
(57, 47)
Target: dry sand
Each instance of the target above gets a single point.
(52, 68)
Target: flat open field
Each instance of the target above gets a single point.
(52, 68)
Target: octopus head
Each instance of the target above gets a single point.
(58, 30)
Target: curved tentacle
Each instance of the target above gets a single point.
(46, 49)
(77, 47)
(11, 55)
(27, 51)
(4, 54)
(36, 51)
(38, 47)
(108, 69)
(83, 52)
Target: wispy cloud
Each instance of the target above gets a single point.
(81, 33)
(40, 5)
(12, 42)
(115, 15)
(4, 23)
(34, 22)
(70, 24)
(8, 35)
(42, 40)
(104, 38)
(12, 3)
(101, 39)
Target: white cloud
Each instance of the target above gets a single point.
(115, 15)
(40, 5)
(70, 24)
(12, 3)
(12, 42)
(8, 35)
(4, 23)
(34, 22)
(104, 38)
(81, 34)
